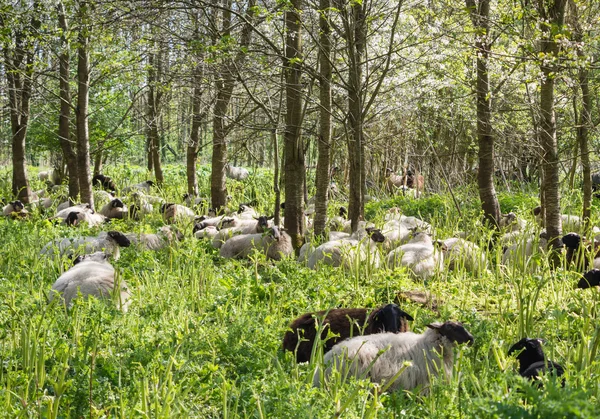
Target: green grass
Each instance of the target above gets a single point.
(203, 335)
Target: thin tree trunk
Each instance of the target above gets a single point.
(81, 114)
(276, 189)
(550, 17)
(98, 161)
(64, 119)
(197, 117)
(294, 150)
(480, 11)
(153, 112)
(322, 180)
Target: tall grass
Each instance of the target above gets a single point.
(202, 337)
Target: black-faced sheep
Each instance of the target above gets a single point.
(236, 173)
(177, 213)
(115, 209)
(578, 253)
(105, 182)
(343, 323)
(364, 245)
(274, 243)
(419, 255)
(382, 356)
(79, 218)
(532, 361)
(15, 209)
(234, 226)
(108, 243)
(589, 279)
(165, 236)
(204, 231)
(91, 275)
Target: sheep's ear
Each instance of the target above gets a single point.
(435, 325)
(271, 217)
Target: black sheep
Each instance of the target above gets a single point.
(345, 322)
(105, 182)
(532, 361)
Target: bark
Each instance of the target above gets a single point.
(98, 162)
(64, 119)
(480, 11)
(294, 150)
(153, 114)
(224, 86)
(192, 147)
(551, 16)
(81, 114)
(19, 55)
(324, 139)
(276, 189)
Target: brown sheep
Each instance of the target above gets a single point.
(345, 322)
(412, 181)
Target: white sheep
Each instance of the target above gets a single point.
(115, 209)
(78, 218)
(382, 356)
(14, 209)
(109, 243)
(459, 252)
(246, 212)
(520, 252)
(364, 245)
(236, 173)
(177, 213)
(419, 255)
(235, 226)
(274, 243)
(63, 213)
(205, 232)
(102, 197)
(91, 275)
(143, 186)
(160, 240)
(510, 222)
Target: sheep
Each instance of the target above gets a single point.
(246, 212)
(589, 279)
(343, 323)
(343, 252)
(234, 226)
(105, 182)
(578, 254)
(45, 175)
(102, 197)
(160, 240)
(175, 212)
(220, 222)
(510, 222)
(393, 180)
(412, 181)
(77, 218)
(143, 186)
(337, 222)
(202, 231)
(383, 356)
(460, 252)
(90, 275)
(274, 243)
(521, 250)
(236, 173)
(532, 361)
(396, 233)
(569, 222)
(115, 209)
(15, 209)
(419, 255)
(109, 242)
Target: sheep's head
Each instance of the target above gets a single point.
(72, 219)
(164, 207)
(227, 222)
(343, 212)
(243, 208)
(262, 223)
(17, 205)
(453, 331)
(120, 238)
(375, 234)
(537, 211)
(149, 183)
(388, 172)
(275, 233)
(572, 241)
(528, 351)
(199, 226)
(117, 203)
(92, 257)
(590, 279)
(390, 318)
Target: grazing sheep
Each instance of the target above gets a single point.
(460, 252)
(343, 323)
(160, 240)
(578, 254)
(419, 255)
(90, 275)
(532, 361)
(143, 186)
(274, 243)
(236, 173)
(589, 279)
(115, 209)
(109, 243)
(382, 356)
(105, 182)
(15, 209)
(175, 212)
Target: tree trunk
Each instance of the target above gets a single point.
(550, 17)
(355, 30)
(294, 150)
(81, 114)
(324, 139)
(480, 12)
(64, 119)
(98, 161)
(153, 111)
(276, 189)
(192, 148)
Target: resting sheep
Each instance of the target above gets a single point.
(143, 186)
(235, 226)
(177, 213)
(274, 243)
(579, 254)
(463, 253)
(569, 222)
(589, 279)
(203, 231)
(532, 361)
(343, 322)
(115, 209)
(382, 356)
(419, 255)
(15, 209)
(91, 275)
(160, 240)
(105, 182)
(344, 252)
(78, 218)
(236, 173)
(108, 243)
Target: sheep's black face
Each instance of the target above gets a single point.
(589, 279)
(572, 241)
(120, 238)
(72, 219)
(537, 211)
(98, 180)
(149, 183)
(198, 227)
(262, 222)
(275, 233)
(376, 235)
(529, 351)
(390, 318)
(117, 203)
(453, 331)
(17, 206)
(343, 212)
(242, 208)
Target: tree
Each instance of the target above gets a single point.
(19, 55)
(154, 108)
